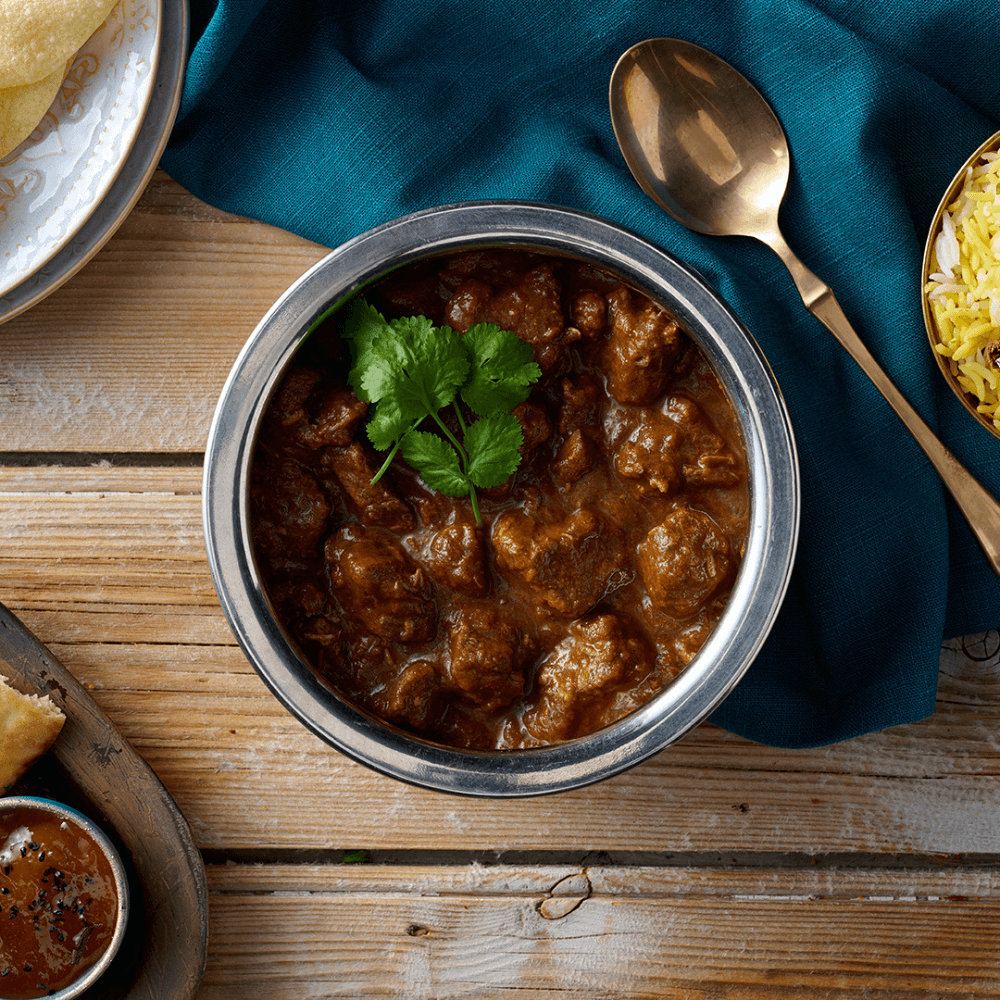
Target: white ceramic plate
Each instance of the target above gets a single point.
(132, 179)
(56, 178)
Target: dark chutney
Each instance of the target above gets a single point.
(58, 903)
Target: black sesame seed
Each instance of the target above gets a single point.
(33, 845)
(28, 967)
(4, 891)
(41, 857)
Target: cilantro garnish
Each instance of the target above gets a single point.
(411, 370)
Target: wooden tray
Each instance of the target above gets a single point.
(93, 768)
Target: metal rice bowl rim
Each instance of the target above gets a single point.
(772, 472)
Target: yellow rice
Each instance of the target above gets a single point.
(963, 288)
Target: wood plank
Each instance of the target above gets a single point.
(116, 582)
(673, 933)
(131, 353)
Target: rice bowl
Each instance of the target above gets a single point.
(961, 284)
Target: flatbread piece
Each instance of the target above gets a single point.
(38, 36)
(29, 725)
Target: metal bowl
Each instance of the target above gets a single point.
(13, 803)
(773, 481)
(969, 401)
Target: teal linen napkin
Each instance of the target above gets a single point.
(326, 120)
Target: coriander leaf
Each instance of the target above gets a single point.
(493, 445)
(388, 424)
(503, 368)
(432, 360)
(436, 461)
(362, 328)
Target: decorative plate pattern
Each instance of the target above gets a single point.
(53, 181)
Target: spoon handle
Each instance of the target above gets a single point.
(978, 506)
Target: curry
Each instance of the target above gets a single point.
(598, 569)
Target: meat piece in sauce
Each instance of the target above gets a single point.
(598, 656)
(576, 455)
(339, 417)
(676, 447)
(649, 458)
(488, 655)
(292, 510)
(413, 698)
(377, 505)
(581, 406)
(535, 425)
(455, 557)
(643, 343)
(379, 585)
(288, 408)
(530, 307)
(706, 460)
(683, 562)
(588, 313)
(567, 566)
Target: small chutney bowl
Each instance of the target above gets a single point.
(60, 941)
(745, 377)
(960, 285)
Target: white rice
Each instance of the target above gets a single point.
(963, 289)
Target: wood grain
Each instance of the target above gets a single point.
(108, 567)
(868, 868)
(682, 933)
(131, 353)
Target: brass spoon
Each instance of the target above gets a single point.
(704, 144)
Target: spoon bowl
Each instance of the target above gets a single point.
(714, 159)
(706, 146)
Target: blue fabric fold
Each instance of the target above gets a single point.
(327, 120)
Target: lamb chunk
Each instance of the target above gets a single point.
(599, 654)
(565, 566)
(588, 313)
(455, 557)
(535, 424)
(581, 406)
(532, 309)
(379, 585)
(323, 629)
(488, 656)
(642, 345)
(467, 303)
(706, 459)
(288, 405)
(414, 697)
(339, 416)
(293, 510)
(683, 562)
(687, 643)
(673, 447)
(649, 458)
(377, 505)
(576, 455)
(542, 320)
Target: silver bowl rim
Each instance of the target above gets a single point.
(772, 464)
(55, 808)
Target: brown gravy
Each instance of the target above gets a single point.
(58, 903)
(601, 566)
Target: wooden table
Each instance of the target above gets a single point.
(719, 869)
